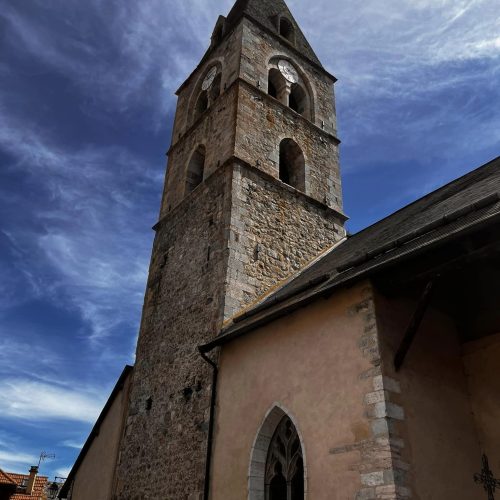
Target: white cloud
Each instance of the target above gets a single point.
(98, 271)
(20, 461)
(72, 444)
(24, 399)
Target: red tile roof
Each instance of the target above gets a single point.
(5, 478)
(38, 490)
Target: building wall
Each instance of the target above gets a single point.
(215, 130)
(258, 47)
(263, 122)
(94, 478)
(183, 309)
(438, 438)
(275, 231)
(482, 368)
(227, 53)
(320, 363)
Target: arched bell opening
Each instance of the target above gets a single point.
(292, 165)
(299, 100)
(286, 29)
(201, 104)
(207, 90)
(289, 84)
(196, 168)
(215, 88)
(276, 86)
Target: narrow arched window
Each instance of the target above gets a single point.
(286, 29)
(195, 170)
(215, 88)
(299, 100)
(284, 471)
(201, 104)
(292, 165)
(276, 86)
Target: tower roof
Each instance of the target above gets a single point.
(266, 13)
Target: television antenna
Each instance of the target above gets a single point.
(46, 456)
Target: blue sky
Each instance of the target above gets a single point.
(86, 107)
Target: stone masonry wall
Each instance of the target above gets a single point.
(163, 451)
(227, 54)
(263, 123)
(215, 131)
(382, 467)
(275, 231)
(258, 47)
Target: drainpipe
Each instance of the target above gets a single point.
(213, 397)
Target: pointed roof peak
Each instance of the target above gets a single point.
(267, 14)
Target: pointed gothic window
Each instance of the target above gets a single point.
(195, 169)
(284, 472)
(292, 165)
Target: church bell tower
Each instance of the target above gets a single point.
(252, 195)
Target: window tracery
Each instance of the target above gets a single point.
(284, 472)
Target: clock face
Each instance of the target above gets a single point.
(288, 71)
(209, 79)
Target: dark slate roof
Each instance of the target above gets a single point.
(455, 208)
(265, 13)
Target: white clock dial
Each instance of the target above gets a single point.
(288, 71)
(209, 79)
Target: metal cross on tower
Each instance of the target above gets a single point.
(490, 484)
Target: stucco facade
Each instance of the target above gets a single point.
(93, 475)
(320, 365)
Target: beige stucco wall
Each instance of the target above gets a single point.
(482, 368)
(95, 476)
(312, 363)
(440, 438)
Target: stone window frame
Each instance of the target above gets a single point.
(188, 186)
(291, 26)
(197, 92)
(303, 82)
(297, 173)
(260, 448)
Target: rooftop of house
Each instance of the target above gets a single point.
(457, 208)
(20, 480)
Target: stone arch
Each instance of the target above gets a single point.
(292, 165)
(195, 168)
(299, 96)
(202, 99)
(260, 449)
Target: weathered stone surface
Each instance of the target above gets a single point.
(220, 246)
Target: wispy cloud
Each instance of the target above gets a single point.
(96, 270)
(72, 444)
(34, 401)
(10, 459)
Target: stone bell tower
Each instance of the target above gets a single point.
(252, 194)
